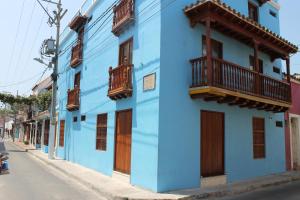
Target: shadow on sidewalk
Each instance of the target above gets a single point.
(17, 151)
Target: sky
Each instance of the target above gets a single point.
(24, 27)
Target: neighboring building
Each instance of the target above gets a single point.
(37, 122)
(136, 102)
(42, 117)
(19, 133)
(292, 136)
(9, 127)
(42, 86)
(28, 125)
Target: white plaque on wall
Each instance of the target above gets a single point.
(149, 82)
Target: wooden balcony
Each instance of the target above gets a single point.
(120, 82)
(76, 58)
(78, 22)
(123, 16)
(229, 83)
(73, 99)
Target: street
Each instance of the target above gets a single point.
(29, 179)
(290, 191)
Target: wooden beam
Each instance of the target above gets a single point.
(247, 104)
(224, 93)
(288, 73)
(208, 50)
(227, 99)
(256, 59)
(249, 34)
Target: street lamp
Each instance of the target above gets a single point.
(42, 62)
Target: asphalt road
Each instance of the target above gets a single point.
(290, 191)
(29, 179)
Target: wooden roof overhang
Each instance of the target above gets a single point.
(261, 2)
(232, 23)
(78, 22)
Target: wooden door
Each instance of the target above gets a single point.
(62, 133)
(46, 132)
(123, 141)
(55, 133)
(212, 144)
(125, 52)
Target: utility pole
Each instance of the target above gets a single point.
(58, 15)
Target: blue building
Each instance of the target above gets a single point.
(174, 94)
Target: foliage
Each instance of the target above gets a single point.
(5, 112)
(11, 99)
(43, 100)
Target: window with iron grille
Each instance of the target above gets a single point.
(101, 136)
(259, 143)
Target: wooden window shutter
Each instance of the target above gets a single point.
(259, 143)
(253, 11)
(217, 48)
(80, 35)
(77, 80)
(261, 64)
(62, 133)
(101, 137)
(125, 52)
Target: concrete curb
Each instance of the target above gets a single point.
(229, 190)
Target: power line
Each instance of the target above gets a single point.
(29, 57)
(98, 46)
(21, 82)
(25, 39)
(15, 40)
(110, 8)
(39, 80)
(151, 5)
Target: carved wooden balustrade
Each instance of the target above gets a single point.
(120, 82)
(76, 58)
(123, 16)
(232, 77)
(73, 99)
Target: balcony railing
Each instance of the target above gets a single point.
(123, 15)
(73, 99)
(76, 58)
(120, 82)
(235, 78)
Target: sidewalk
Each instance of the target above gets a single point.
(115, 189)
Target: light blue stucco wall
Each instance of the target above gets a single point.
(166, 121)
(100, 52)
(45, 148)
(179, 120)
